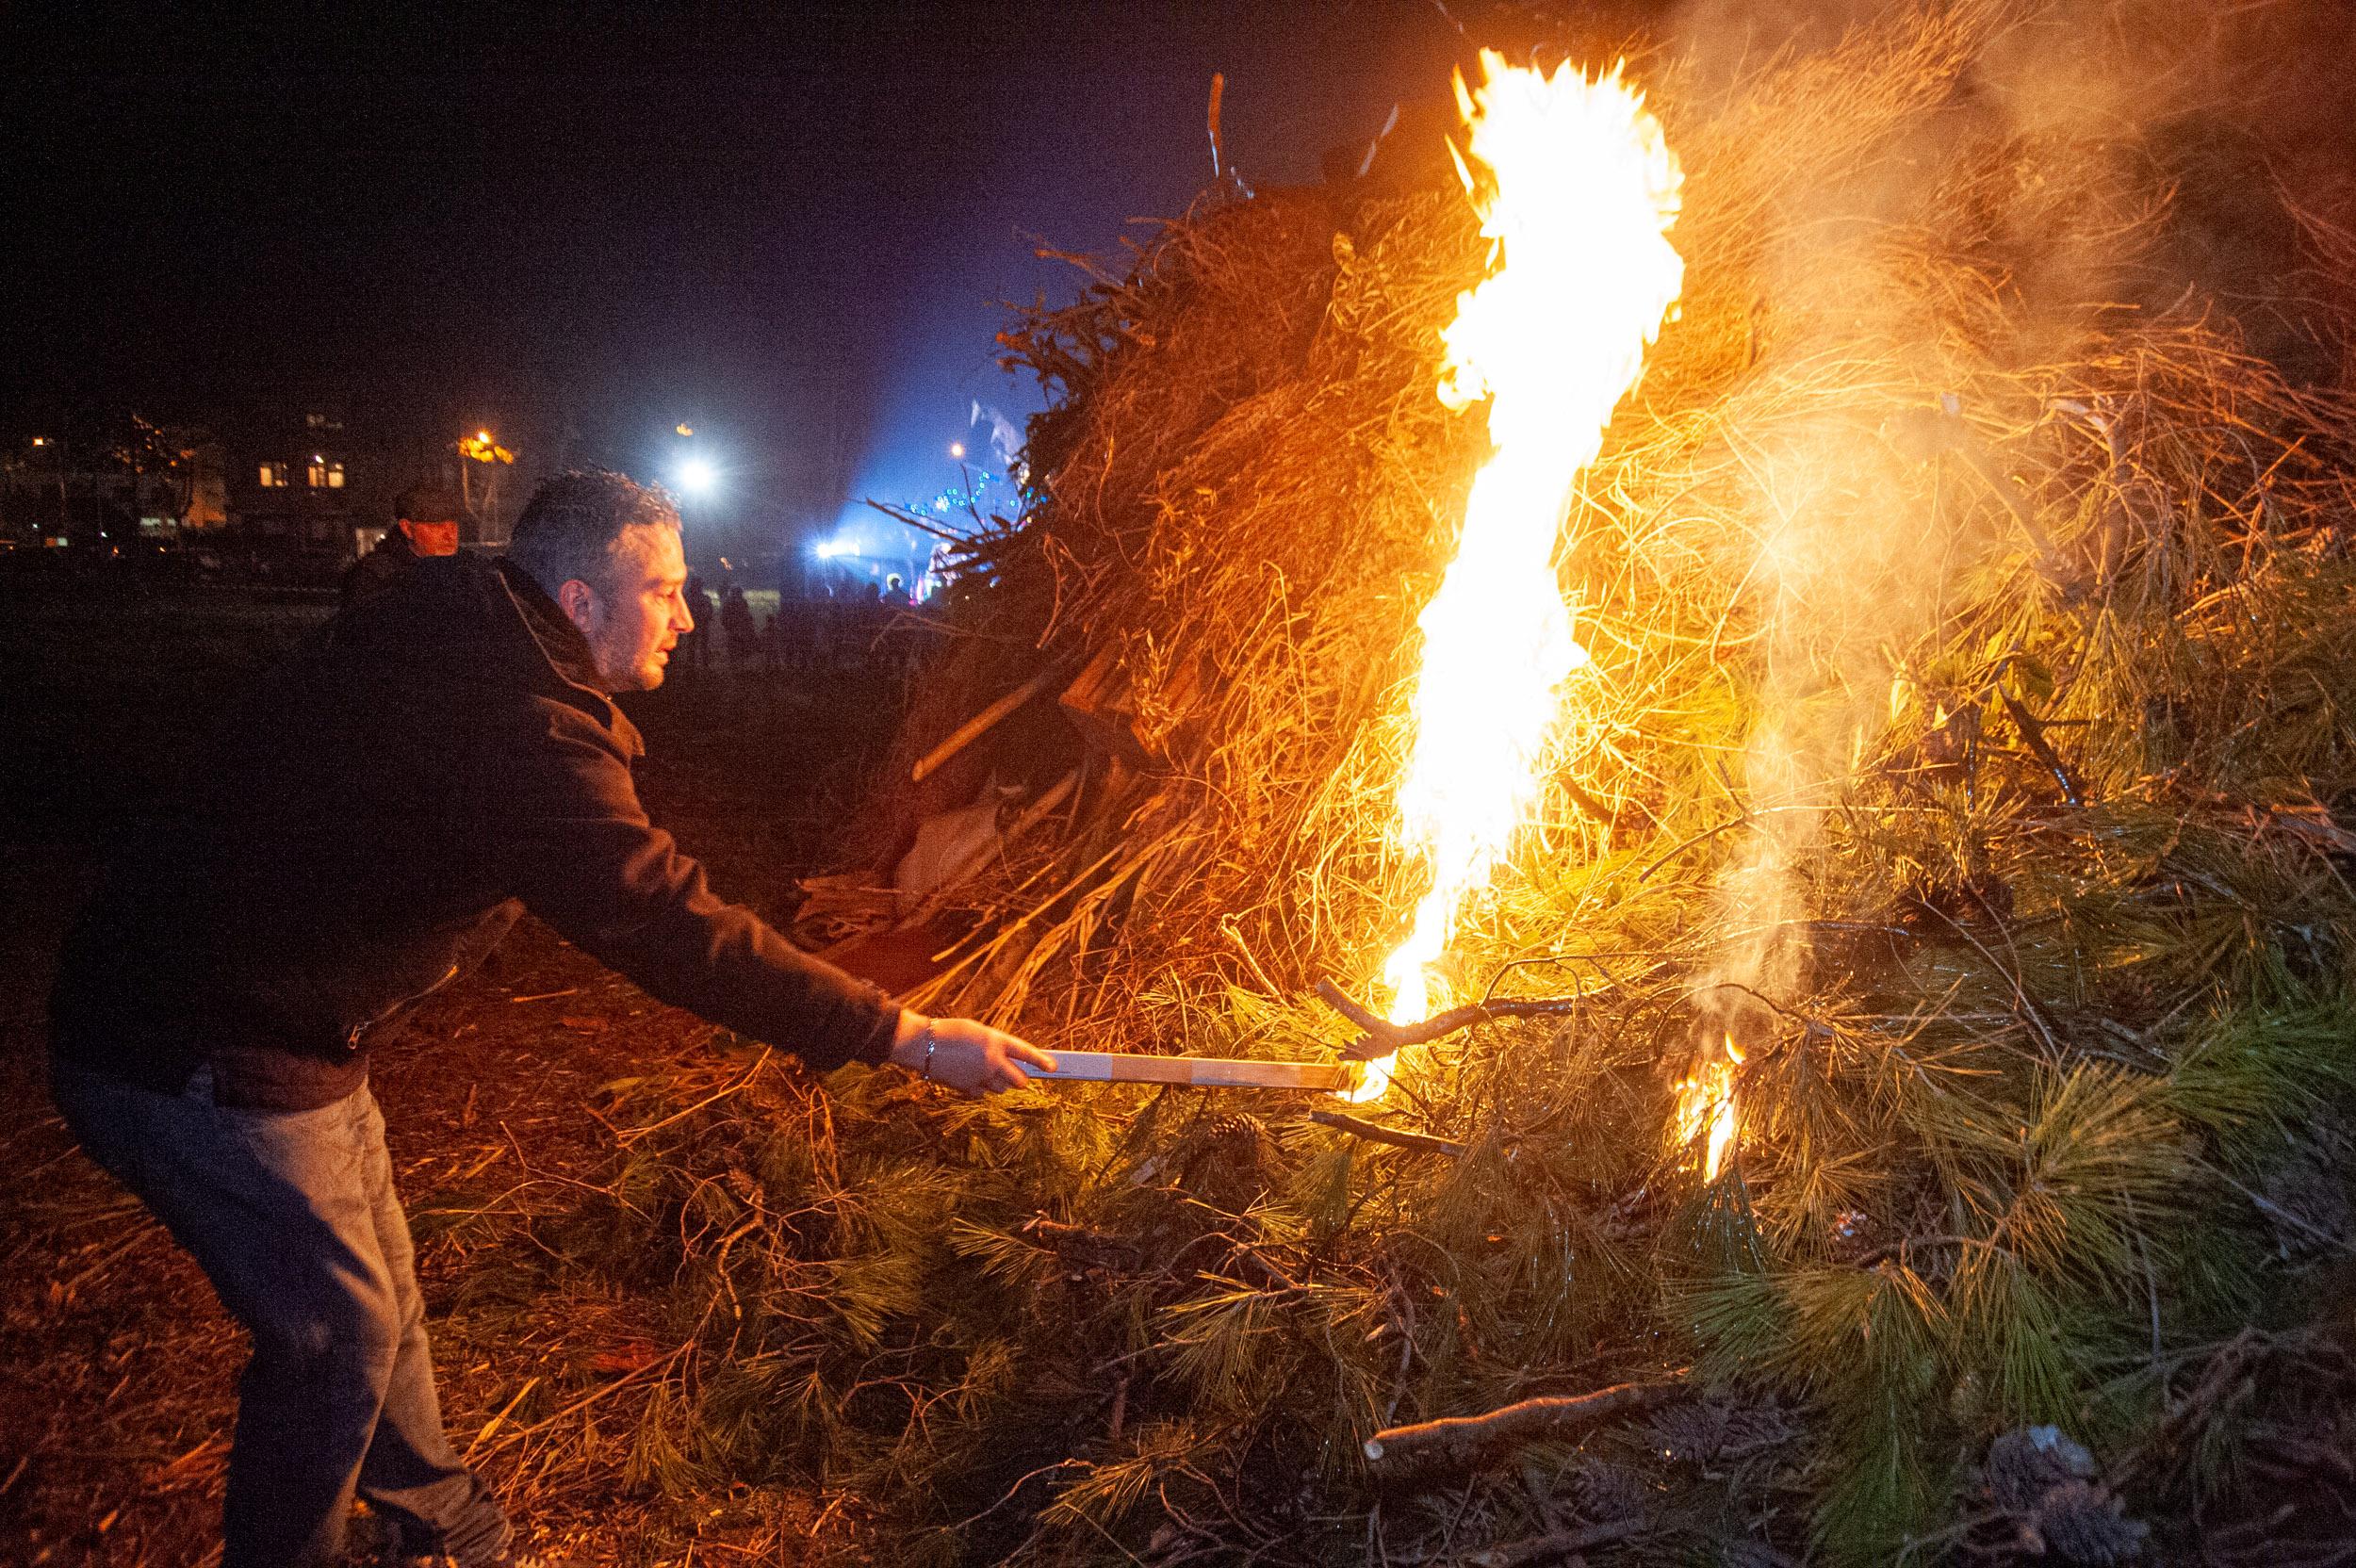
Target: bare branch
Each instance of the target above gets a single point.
(1374, 1132)
(1456, 1443)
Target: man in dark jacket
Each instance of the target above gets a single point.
(444, 755)
(425, 524)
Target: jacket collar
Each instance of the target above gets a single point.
(566, 653)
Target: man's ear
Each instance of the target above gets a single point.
(579, 601)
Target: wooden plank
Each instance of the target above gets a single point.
(1101, 1066)
(979, 724)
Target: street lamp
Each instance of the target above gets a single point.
(481, 448)
(695, 476)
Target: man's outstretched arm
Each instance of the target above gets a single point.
(584, 856)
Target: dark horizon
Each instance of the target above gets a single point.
(793, 233)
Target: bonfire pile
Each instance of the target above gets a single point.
(1969, 745)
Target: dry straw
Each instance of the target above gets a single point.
(1873, 446)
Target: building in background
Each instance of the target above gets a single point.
(110, 485)
(298, 486)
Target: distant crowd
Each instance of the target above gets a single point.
(803, 637)
(798, 636)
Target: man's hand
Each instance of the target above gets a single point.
(969, 1058)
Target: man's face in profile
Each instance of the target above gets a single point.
(639, 613)
(432, 538)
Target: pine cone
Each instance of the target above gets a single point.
(2079, 1521)
(1228, 1158)
(2021, 1464)
(2047, 1481)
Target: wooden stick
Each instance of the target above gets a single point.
(1455, 1444)
(1382, 1038)
(973, 728)
(1374, 1132)
(1101, 1066)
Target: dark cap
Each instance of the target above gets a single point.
(427, 503)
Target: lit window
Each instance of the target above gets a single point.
(270, 478)
(334, 475)
(316, 475)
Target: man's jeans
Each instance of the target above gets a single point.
(292, 1216)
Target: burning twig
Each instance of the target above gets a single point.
(1456, 1443)
(1706, 1111)
(1397, 1137)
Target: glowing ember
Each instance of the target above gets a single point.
(1706, 1108)
(1578, 194)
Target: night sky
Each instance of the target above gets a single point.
(790, 227)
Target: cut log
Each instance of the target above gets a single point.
(1456, 1443)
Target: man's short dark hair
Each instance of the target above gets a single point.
(427, 503)
(573, 521)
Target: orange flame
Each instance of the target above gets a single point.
(1706, 1108)
(1578, 194)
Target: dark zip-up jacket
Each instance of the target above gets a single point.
(370, 821)
(380, 569)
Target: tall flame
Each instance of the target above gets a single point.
(1578, 191)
